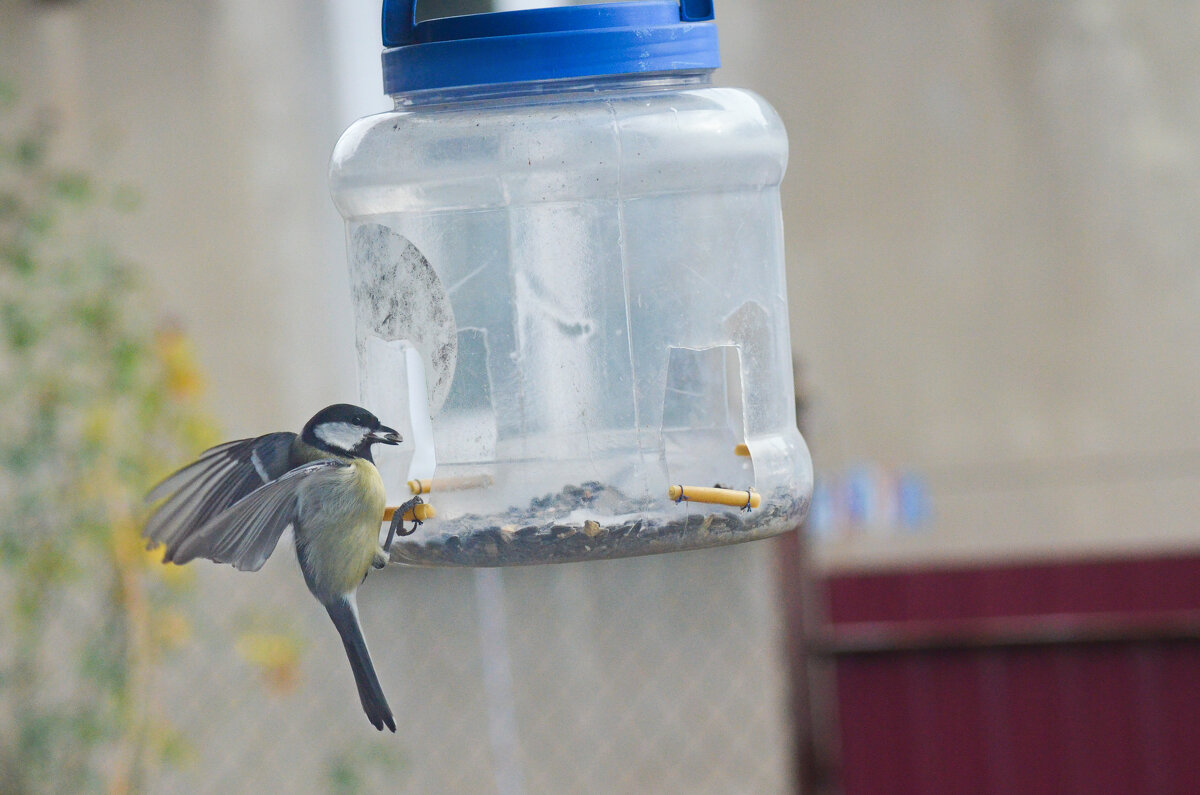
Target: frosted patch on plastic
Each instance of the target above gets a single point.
(467, 425)
(399, 296)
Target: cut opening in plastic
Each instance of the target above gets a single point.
(704, 428)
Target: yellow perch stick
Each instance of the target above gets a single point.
(742, 450)
(737, 499)
(420, 513)
(424, 485)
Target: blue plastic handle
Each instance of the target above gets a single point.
(695, 10)
(400, 18)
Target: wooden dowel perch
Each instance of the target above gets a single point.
(425, 486)
(420, 513)
(742, 450)
(738, 499)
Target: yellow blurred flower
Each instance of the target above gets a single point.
(173, 575)
(127, 543)
(183, 379)
(98, 425)
(199, 432)
(275, 654)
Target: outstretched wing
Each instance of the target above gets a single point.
(245, 534)
(214, 482)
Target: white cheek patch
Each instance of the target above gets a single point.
(341, 435)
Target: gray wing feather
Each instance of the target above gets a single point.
(177, 480)
(214, 482)
(246, 534)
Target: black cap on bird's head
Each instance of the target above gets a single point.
(344, 429)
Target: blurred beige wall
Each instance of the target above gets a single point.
(993, 219)
(218, 114)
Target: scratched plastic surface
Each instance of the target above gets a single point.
(568, 301)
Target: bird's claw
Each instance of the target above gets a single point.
(404, 509)
(397, 526)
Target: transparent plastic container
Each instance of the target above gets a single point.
(570, 298)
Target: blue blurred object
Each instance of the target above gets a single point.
(859, 488)
(914, 503)
(869, 497)
(822, 513)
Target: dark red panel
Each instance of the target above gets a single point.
(948, 711)
(1180, 708)
(1015, 591)
(942, 595)
(1060, 677)
(876, 755)
(1099, 587)
(867, 598)
(1102, 745)
(1029, 738)
(1126, 585)
(1168, 583)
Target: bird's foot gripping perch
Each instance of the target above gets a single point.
(396, 528)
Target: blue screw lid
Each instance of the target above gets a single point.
(545, 43)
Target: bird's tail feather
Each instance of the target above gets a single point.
(344, 613)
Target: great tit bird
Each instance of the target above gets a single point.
(237, 499)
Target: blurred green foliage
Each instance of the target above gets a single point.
(370, 765)
(96, 402)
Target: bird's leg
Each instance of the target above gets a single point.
(383, 555)
(397, 526)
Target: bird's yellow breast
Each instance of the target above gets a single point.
(371, 486)
(340, 533)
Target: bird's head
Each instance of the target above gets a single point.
(347, 430)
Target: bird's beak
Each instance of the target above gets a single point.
(385, 435)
